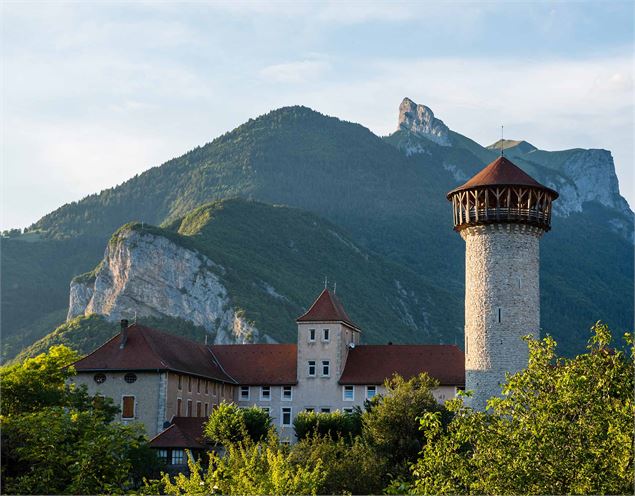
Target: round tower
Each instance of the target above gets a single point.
(501, 213)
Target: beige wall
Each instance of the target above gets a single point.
(145, 390)
(216, 393)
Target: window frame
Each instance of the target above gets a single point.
(242, 389)
(262, 396)
(123, 407)
(206, 410)
(179, 384)
(199, 408)
(282, 413)
(352, 398)
(327, 364)
(312, 335)
(283, 390)
(182, 457)
(179, 405)
(368, 388)
(326, 335)
(312, 364)
(189, 408)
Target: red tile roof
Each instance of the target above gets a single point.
(501, 172)
(185, 432)
(372, 364)
(327, 308)
(258, 364)
(149, 349)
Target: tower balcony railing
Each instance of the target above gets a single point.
(474, 216)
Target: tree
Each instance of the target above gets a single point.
(561, 426)
(391, 424)
(57, 439)
(248, 468)
(334, 424)
(229, 424)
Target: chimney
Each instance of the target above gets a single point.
(124, 333)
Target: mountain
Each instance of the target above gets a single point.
(386, 195)
(244, 271)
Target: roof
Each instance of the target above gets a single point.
(185, 432)
(501, 172)
(149, 349)
(373, 364)
(327, 308)
(258, 364)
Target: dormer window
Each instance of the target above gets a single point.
(326, 335)
(311, 335)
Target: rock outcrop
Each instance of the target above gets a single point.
(420, 120)
(149, 275)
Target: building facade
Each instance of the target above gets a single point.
(157, 378)
(500, 213)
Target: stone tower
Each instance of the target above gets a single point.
(501, 213)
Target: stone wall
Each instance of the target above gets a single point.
(502, 304)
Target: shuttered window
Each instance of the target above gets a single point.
(127, 407)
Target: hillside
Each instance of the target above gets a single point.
(388, 195)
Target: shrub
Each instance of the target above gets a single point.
(335, 424)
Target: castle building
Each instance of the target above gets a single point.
(163, 381)
(500, 213)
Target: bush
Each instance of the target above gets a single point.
(334, 425)
(229, 424)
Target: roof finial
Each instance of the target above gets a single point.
(502, 140)
(335, 287)
(326, 281)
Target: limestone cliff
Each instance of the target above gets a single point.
(421, 121)
(148, 275)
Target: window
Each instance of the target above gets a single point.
(310, 410)
(286, 416)
(206, 410)
(311, 335)
(244, 393)
(198, 408)
(127, 408)
(311, 368)
(499, 315)
(265, 393)
(287, 393)
(214, 388)
(206, 387)
(348, 410)
(520, 282)
(189, 384)
(325, 409)
(349, 393)
(266, 409)
(179, 401)
(198, 385)
(180, 382)
(99, 378)
(325, 335)
(178, 457)
(162, 454)
(189, 408)
(130, 378)
(326, 368)
(371, 391)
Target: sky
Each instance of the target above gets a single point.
(95, 92)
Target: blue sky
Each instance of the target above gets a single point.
(96, 92)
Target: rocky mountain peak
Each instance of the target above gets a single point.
(420, 120)
(520, 146)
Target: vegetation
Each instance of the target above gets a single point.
(228, 424)
(562, 426)
(57, 439)
(333, 425)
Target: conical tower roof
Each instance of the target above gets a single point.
(327, 308)
(501, 172)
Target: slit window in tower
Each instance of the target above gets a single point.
(499, 315)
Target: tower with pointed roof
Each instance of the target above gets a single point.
(500, 213)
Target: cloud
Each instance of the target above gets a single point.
(295, 72)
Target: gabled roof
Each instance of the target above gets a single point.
(327, 308)
(501, 172)
(373, 364)
(258, 364)
(149, 349)
(185, 432)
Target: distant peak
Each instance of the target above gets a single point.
(518, 145)
(420, 120)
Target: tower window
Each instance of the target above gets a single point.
(325, 335)
(311, 335)
(499, 315)
(520, 282)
